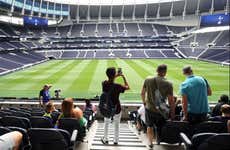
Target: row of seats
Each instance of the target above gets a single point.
(207, 141)
(170, 132)
(138, 53)
(35, 114)
(93, 30)
(43, 138)
(37, 129)
(14, 60)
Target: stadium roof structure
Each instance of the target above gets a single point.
(109, 2)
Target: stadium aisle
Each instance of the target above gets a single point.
(128, 139)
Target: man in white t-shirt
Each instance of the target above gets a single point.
(10, 141)
(141, 112)
(141, 118)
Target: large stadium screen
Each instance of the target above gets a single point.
(215, 20)
(35, 21)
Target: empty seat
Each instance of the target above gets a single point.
(47, 139)
(195, 141)
(219, 141)
(170, 132)
(16, 122)
(40, 122)
(4, 130)
(210, 126)
(207, 141)
(22, 114)
(70, 125)
(3, 114)
(37, 113)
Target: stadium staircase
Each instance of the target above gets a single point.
(128, 139)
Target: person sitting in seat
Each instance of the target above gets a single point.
(225, 117)
(223, 100)
(10, 141)
(89, 106)
(49, 108)
(178, 108)
(68, 111)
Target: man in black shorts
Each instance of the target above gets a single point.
(153, 116)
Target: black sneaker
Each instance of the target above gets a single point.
(115, 143)
(150, 146)
(104, 141)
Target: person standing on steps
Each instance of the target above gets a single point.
(108, 86)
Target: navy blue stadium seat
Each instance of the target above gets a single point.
(4, 130)
(170, 132)
(216, 142)
(207, 141)
(40, 122)
(37, 113)
(3, 114)
(25, 145)
(195, 141)
(16, 122)
(47, 139)
(22, 114)
(209, 126)
(71, 124)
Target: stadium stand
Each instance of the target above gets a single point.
(15, 60)
(166, 29)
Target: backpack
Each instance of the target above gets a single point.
(106, 106)
(160, 103)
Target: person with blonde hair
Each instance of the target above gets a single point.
(49, 108)
(68, 111)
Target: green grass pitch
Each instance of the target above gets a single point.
(82, 78)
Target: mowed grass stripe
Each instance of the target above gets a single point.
(142, 72)
(98, 77)
(49, 76)
(217, 75)
(67, 80)
(112, 63)
(82, 82)
(55, 77)
(134, 79)
(26, 79)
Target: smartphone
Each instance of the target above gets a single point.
(119, 71)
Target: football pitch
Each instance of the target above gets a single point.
(82, 78)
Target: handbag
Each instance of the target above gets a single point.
(160, 103)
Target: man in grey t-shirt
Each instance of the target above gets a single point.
(152, 113)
